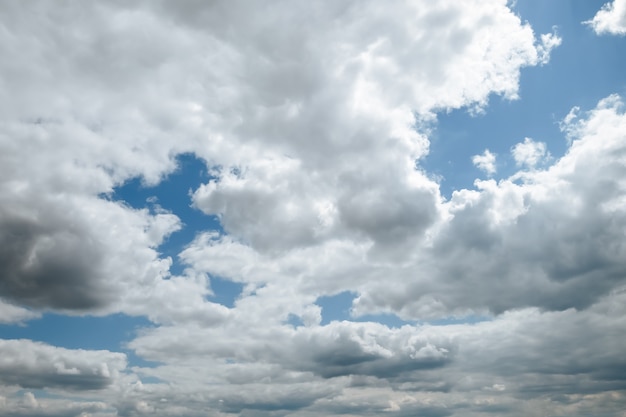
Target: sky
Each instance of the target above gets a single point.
(293, 208)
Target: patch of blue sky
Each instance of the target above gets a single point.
(294, 321)
(111, 333)
(173, 193)
(336, 307)
(584, 69)
(388, 319)
(225, 292)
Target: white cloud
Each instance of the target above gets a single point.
(37, 365)
(345, 367)
(492, 236)
(530, 153)
(485, 162)
(294, 119)
(10, 313)
(28, 405)
(349, 158)
(496, 236)
(611, 19)
(549, 41)
(338, 349)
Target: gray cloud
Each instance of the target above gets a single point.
(60, 257)
(346, 349)
(49, 268)
(37, 365)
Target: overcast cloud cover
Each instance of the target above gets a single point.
(314, 123)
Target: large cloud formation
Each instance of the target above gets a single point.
(312, 119)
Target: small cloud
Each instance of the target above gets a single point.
(485, 162)
(549, 41)
(29, 400)
(611, 19)
(570, 118)
(530, 153)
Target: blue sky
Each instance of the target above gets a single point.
(315, 209)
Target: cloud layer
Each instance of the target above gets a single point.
(313, 121)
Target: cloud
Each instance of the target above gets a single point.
(70, 245)
(611, 19)
(10, 313)
(307, 364)
(33, 365)
(338, 349)
(529, 153)
(71, 134)
(496, 237)
(104, 102)
(313, 132)
(485, 162)
(339, 160)
(549, 41)
(343, 348)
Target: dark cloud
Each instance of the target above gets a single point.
(50, 266)
(272, 403)
(42, 380)
(331, 364)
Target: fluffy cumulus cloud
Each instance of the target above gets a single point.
(611, 19)
(276, 113)
(530, 153)
(313, 120)
(486, 162)
(495, 236)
